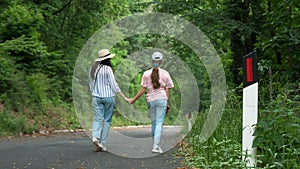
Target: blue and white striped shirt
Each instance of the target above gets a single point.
(105, 84)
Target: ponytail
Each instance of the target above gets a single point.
(155, 78)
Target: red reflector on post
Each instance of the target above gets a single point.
(249, 70)
(250, 74)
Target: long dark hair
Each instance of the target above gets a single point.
(96, 64)
(155, 78)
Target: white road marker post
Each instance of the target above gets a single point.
(250, 108)
(190, 123)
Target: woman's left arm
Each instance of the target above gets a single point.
(169, 84)
(168, 95)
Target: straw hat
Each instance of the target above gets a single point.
(104, 54)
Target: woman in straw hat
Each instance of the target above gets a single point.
(103, 87)
(158, 82)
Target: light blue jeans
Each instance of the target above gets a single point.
(103, 112)
(157, 110)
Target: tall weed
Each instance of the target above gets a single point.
(223, 148)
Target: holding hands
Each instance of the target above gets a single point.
(131, 101)
(139, 94)
(128, 100)
(124, 97)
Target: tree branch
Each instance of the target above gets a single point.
(63, 7)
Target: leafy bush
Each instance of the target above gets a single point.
(11, 124)
(18, 20)
(278, 139)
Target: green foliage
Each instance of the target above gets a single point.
(277, 135)
(30, 121)
(39, 43)
(20, 20)
(279, 41)
(38, 85)
(6, 70)
(31, 76)
(226, 154)
(236, 28)
(10, 125)
(223, 148)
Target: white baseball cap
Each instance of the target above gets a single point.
(157, 56)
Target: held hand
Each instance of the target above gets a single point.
(126, 99)
(131, 101)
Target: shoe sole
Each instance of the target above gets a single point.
(97, 145)
(156, 151)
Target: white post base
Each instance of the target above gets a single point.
(250, 115)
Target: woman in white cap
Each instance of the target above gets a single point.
(158, 82)
(103, 87)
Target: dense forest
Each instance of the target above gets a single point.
(40, 41)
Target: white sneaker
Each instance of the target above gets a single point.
(96, 142)
(156, 149)
(102, 147)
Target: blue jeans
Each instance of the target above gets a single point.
(157, 110)
(103, 112)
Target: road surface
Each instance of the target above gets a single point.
(76, 151)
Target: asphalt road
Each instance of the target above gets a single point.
(76, 151)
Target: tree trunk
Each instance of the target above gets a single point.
(242, 43)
